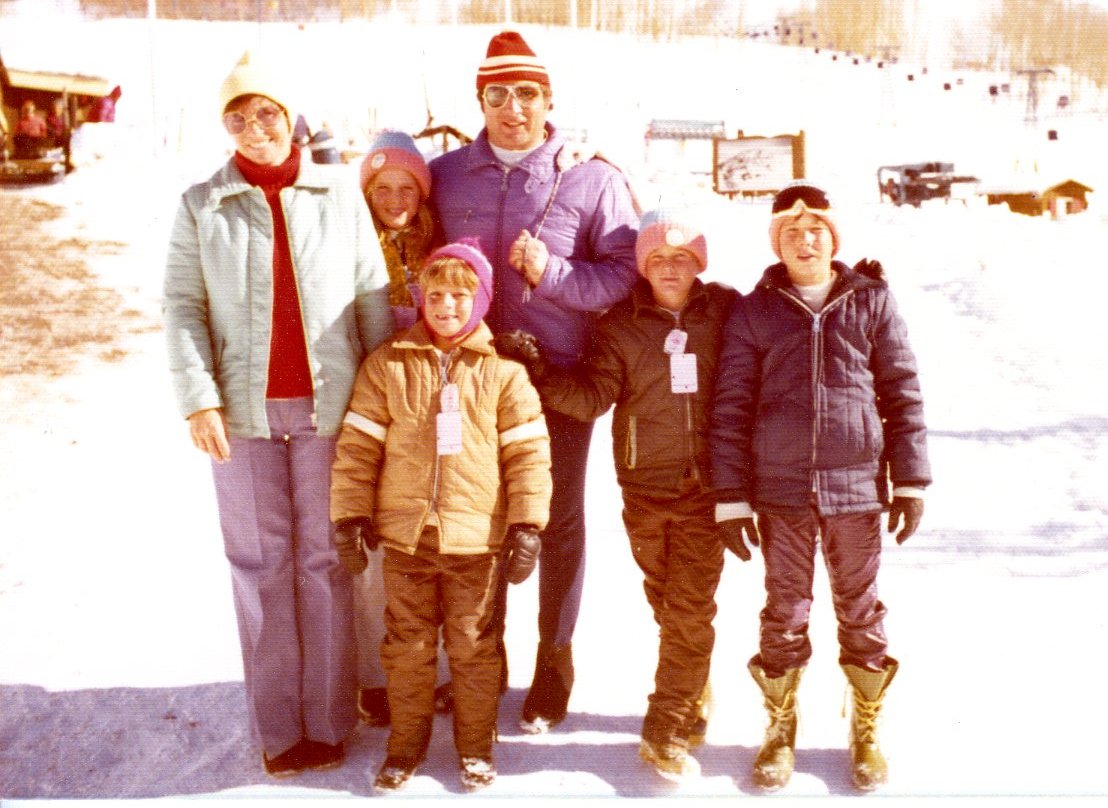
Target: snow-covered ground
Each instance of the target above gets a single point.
(120, 673)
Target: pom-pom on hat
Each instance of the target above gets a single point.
(666, 227)
(469, 251)
(508, 59)
(795, 199)
(254, 74)
(392, 149)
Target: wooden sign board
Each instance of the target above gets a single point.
(756, 165)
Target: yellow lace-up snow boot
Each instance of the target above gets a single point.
(868, 767)
(773, 766)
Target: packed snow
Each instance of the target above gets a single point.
(120, 674)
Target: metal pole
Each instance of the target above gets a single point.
(151, 21)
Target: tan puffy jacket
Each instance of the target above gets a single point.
(387, 466)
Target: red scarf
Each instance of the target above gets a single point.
(289, 376)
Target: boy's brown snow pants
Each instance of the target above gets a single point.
(424, 591)
(673, 540)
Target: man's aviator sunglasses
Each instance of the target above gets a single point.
(526, 95)
(267, 117)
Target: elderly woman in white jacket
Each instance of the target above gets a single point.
(275, 289)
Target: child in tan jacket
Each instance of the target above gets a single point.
(443, 459)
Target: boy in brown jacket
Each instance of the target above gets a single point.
(444, 459)
(654, 356)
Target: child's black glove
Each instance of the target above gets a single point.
(523, 545)
(524, 348)
(911, 508)
(730, 534)
(353, 537)
(871, 268)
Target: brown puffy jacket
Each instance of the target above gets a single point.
(387, 466)
(659, 438)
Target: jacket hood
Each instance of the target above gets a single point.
(642, 296)
(228, 180)
(418, 338)
(777, 277)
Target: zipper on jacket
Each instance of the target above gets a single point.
(300, 307)
(497, 283)
(445, 361)
(816, 347)
(690, 438)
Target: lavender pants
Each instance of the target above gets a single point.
(852, 553)
(292, 597)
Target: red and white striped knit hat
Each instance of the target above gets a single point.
(510, 59)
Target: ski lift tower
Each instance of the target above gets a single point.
(1032, 114)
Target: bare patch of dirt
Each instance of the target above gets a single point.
(53, 309)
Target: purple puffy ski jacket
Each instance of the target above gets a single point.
(825, 405)
(584, 215)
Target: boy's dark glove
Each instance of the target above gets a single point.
(523, 545)
(353, 537)
(911, 508)
(871, 268)
(730, 534)
(524, 348)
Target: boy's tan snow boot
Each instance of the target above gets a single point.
(773, 766)
(699, 713)
(867, 765)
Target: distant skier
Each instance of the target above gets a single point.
(817, 404)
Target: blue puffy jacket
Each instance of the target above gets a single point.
(823, 405)
(584, 215)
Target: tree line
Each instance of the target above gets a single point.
(1012, 34)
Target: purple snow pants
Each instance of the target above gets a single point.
(292, 597)
(852, 553)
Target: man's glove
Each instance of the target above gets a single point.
(730, 534)
(911, 508)
(353, 537)
(522, 347)
(523, 544)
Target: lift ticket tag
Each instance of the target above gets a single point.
(682, 366)
(448, 423)
(682, 372)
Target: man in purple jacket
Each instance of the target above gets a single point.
(562, 245)
(817, 406)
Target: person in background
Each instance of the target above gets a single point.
(817, 407)
(31, 134)
(396, 184)
(275, 289)
(102, 109)
(654, 357)
(57, 123)
(323, 147)
(561, 240)
(443, 459)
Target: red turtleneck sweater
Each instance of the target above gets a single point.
(289, 376)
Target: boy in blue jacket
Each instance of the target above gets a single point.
(817, 406)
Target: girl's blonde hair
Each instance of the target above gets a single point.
(448, 271)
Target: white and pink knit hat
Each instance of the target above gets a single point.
(392, 149)
(664, 227)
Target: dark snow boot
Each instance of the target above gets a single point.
(773, 765)
(548, 698)
(868, 768)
